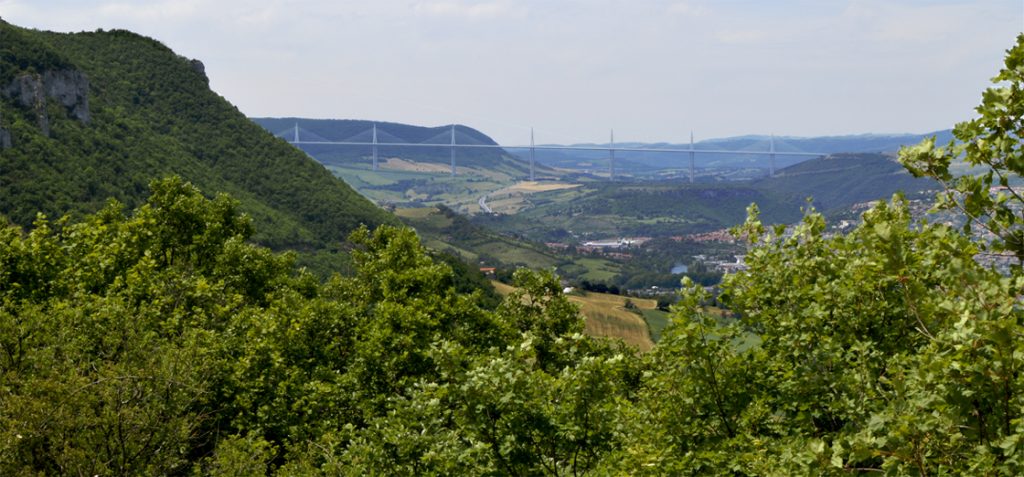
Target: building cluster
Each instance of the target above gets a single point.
(724, 266)
(721, 235)
(611, 247)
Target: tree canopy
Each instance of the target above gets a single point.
(161, 341)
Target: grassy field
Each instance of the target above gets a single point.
(520, 195)
(656, 320)
(598, 269)
(534, 186)
(606, 316)
(404, 165)
(440, 231)
(423, 183)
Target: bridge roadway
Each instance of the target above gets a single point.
(611, 149)
(555, 147)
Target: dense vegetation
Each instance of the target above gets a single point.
(652, 264)
(443, 229)
(153, 114)
(161, 341)
(666, 208)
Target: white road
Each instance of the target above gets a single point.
(483, 204)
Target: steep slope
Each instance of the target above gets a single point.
(88, 116)
(838, 181)
(441, 228)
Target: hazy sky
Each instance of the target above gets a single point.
(573, 69)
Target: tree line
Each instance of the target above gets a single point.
(160, 341)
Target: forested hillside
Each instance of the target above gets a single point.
(89, 116)
(665, 208)
(157, 339)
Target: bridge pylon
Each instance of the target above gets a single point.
(691, 156)
(532, 156)
(375, 146)
(611, 156)
(453, 150)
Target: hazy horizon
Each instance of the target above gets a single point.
(652, 71)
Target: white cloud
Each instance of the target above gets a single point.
(470, 10)
(144, 11)
(687, 9)
(917, 22)
(658, 66)
(742, 37)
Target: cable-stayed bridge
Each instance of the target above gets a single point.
(376, 141)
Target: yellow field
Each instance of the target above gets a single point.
(534, 186)
(606, 316)
(502, 288)
(414, 212)
(397, 164)
(512, 199)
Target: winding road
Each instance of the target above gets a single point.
(483, 204)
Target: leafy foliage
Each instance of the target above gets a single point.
(153, 115)
(888, 349)
(990, 201)
(162, 342)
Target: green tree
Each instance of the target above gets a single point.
(993, 141)
(110, 331)
(887, 349)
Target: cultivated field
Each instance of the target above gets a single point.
(606, 316)
(397, 164)
(516, 197)
(535, 186)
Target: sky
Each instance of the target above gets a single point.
(652, 70)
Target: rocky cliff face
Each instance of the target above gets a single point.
(71, 89)
(5, 135)
(68, 87)
(200, 69)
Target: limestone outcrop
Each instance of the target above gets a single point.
(200, 68)
(68, 87)
(5, 135)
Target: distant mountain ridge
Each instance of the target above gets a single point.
(850, 143)
(641, 162)
(93, 115)
(357, 130)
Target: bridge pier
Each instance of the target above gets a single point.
(691, 157)
(375, 146)
(611, 156)
(532, 150)
(375, 143)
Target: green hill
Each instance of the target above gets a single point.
(88, 116)
(616, 209)
(352, 130)
(838, 181)
(441, 228)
